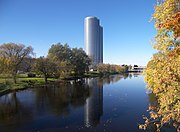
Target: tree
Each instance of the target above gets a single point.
(65, 68)
(27, 64)
(61, 55)
(163, 71)
(109, 69)
(3, 61)
(46, 67)
(80, 61)
(102, 68)
(60, 52)
(14, 54)
(166, 17)
(135, 65)
(69, 60)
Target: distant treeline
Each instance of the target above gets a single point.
(62, 61)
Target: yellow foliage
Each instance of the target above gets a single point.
(163, 71)
(167, 23)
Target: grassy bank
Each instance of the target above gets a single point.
(24, 82)
(7, 85)
(89, 75)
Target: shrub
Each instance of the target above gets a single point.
(31, 74)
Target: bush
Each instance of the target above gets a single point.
(31, 74)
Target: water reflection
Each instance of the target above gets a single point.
(94, 104)
(33, 108)
(12, 110)
(24, 107)
(60, 98)
(133, 74)
(112, 79)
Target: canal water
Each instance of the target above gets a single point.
(114, 104)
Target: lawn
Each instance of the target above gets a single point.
(22, 82)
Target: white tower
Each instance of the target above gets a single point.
(93, 39)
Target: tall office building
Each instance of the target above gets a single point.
(93, 39)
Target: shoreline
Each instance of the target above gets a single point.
(27, 83)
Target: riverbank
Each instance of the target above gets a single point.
(7, 85)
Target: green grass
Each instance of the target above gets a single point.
(2, 80)
(22, 75)
(22, 83)
(32, 79)
(4, 76)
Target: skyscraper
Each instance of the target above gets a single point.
(93, 39)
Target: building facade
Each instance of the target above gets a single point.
(93, 39)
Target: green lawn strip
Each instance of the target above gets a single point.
(92, 74)
(2, 80)
(4, 75)
(22, 83)
(35, 81)
(22, 75)
(32, 79)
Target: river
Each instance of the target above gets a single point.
(115, 104)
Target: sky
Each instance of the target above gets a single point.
(128, 31)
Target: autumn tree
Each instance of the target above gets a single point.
(65, 68)
(80, 61)
(12, 55)
(27, 64)
(3, 62)
(110, 68)
(163, 71)
(60, 52)
(45, 67)
(61, 55)
(69, 61)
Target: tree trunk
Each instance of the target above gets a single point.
(14, 78)
(45, 79)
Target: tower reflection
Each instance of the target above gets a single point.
(94, 103)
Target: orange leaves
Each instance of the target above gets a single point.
(167, 23)
(163, 71)
(163, 74)
(172, 24)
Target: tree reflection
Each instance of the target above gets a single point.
(111, 79)
(59, 98)
(79, 95)
(54, 99)
(13, 111)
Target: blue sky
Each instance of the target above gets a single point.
(41, 23)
